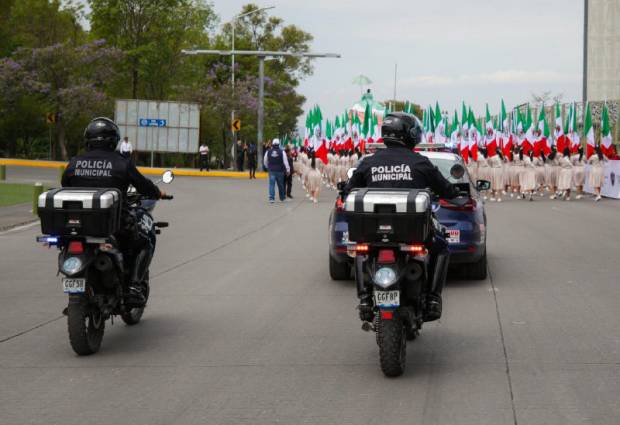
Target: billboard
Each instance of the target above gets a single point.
(159, 126)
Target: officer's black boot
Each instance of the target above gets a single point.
(365, 305)
(433, 300)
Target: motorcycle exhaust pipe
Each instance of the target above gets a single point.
(103, 263)
(414, 272)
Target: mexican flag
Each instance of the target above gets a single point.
(561, 140)
(542, 144)
(440, 126)
(573, 134)
(464, 148)
(490, 139)
(606, 143)
(528, 141)
(454, 132)
(473, 136)
(588, 131)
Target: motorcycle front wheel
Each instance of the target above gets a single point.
(392, 346)
(86, 328)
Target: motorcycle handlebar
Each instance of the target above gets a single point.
(167, 197)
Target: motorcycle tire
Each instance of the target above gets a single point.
(392, 347)
(86, 329)
(133, 316)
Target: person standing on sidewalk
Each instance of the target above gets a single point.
(125, 148)
(204, 157)
(288, 181)
(277, 165)
(252, 155)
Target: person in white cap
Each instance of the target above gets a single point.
(277, 166)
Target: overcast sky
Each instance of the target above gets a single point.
(447, 50)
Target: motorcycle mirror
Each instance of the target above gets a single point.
(457, 171)
(350, 172)
(167, 177)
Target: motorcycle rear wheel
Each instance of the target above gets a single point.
(392, 346)
(86, 328)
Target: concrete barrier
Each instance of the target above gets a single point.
(143, 170)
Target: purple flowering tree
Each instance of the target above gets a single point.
(70, 80)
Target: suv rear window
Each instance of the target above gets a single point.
(444, 166)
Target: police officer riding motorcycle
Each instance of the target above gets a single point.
(399, 248)
(387, 168)
(103, 167)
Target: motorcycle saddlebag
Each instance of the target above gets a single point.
(80, 211)
(388, 215)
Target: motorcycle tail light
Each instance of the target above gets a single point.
(360, 248)
(339, 204)
(415, 249)
(76, 247)
(386, 256)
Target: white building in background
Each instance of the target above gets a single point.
(601, 50)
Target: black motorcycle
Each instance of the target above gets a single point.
(106, 243)
(393, 230)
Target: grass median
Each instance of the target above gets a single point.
(15, 193)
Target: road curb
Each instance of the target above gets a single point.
(143, 170)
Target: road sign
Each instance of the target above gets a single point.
(50, 117)
(236, 125)
(151, 122)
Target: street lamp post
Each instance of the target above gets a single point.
(232, 61)
(261, 54)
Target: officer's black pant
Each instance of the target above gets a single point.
(438, 265)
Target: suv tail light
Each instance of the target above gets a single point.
(469, 206)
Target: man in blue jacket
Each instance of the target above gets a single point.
(276, 164)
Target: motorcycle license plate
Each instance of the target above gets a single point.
(73, 286)
(454, 236)
(387, 298)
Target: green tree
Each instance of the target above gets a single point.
(41, 23)
(152, 33)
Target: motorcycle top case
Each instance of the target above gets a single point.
(388, 215)
(80, 211)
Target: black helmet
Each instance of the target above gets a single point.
(399, 128)
(102, 133)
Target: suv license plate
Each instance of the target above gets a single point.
(74, 286)
(387, 298)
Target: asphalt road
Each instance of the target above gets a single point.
(244, 326)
